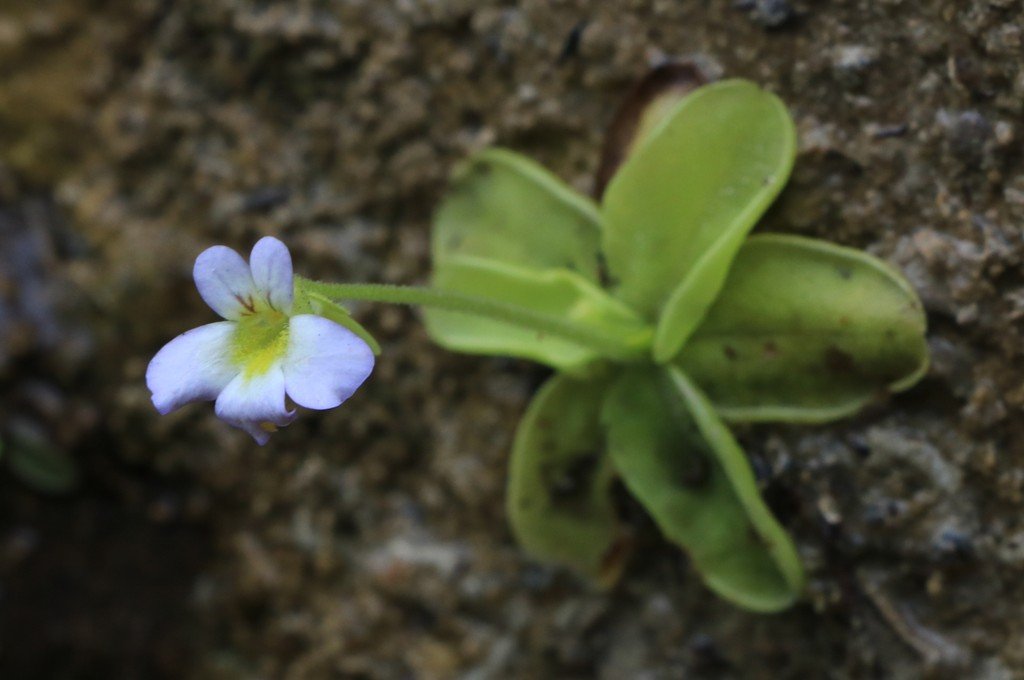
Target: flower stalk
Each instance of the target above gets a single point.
(628, 349)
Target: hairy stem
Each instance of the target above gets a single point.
(609, 345)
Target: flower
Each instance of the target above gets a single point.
(262, 351)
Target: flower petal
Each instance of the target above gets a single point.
(253, 402)
(255, 430)
(271, 265)
(195, 366)
(325, 362)
(224, 282)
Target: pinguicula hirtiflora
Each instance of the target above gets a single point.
(662, 318)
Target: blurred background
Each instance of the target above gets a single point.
(370, 541)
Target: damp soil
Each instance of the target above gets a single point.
(370, 541)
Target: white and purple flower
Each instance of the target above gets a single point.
(262, 352)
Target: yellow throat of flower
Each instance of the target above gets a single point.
(259, 340)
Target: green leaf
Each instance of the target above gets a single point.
(559, 501)
(681, 462)
(806, 331)
(556, 292)
(510, 231)
(38, 464)
(680, 206)
(504, 207)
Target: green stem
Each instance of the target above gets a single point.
(610, 345)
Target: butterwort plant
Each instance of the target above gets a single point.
(662, 318)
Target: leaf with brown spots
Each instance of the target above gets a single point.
(806, 331)
(660, 430)
(559, 491)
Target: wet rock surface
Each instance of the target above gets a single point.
(370, 542)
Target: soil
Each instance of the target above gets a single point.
(370, 541)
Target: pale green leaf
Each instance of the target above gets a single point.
(556, 292)
(559, 501)
(680, 206)
(683, 465)
(38, 464)
(805, 330)
(505, 207)
(510, 231)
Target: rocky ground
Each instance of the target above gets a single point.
(370, 542)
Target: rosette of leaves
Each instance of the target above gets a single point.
(734, 328)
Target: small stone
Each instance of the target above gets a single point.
(1004, 133)
(968, 134)
(934, 585)
(768, 13)
(853, 57)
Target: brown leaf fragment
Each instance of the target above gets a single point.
(650, 100)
